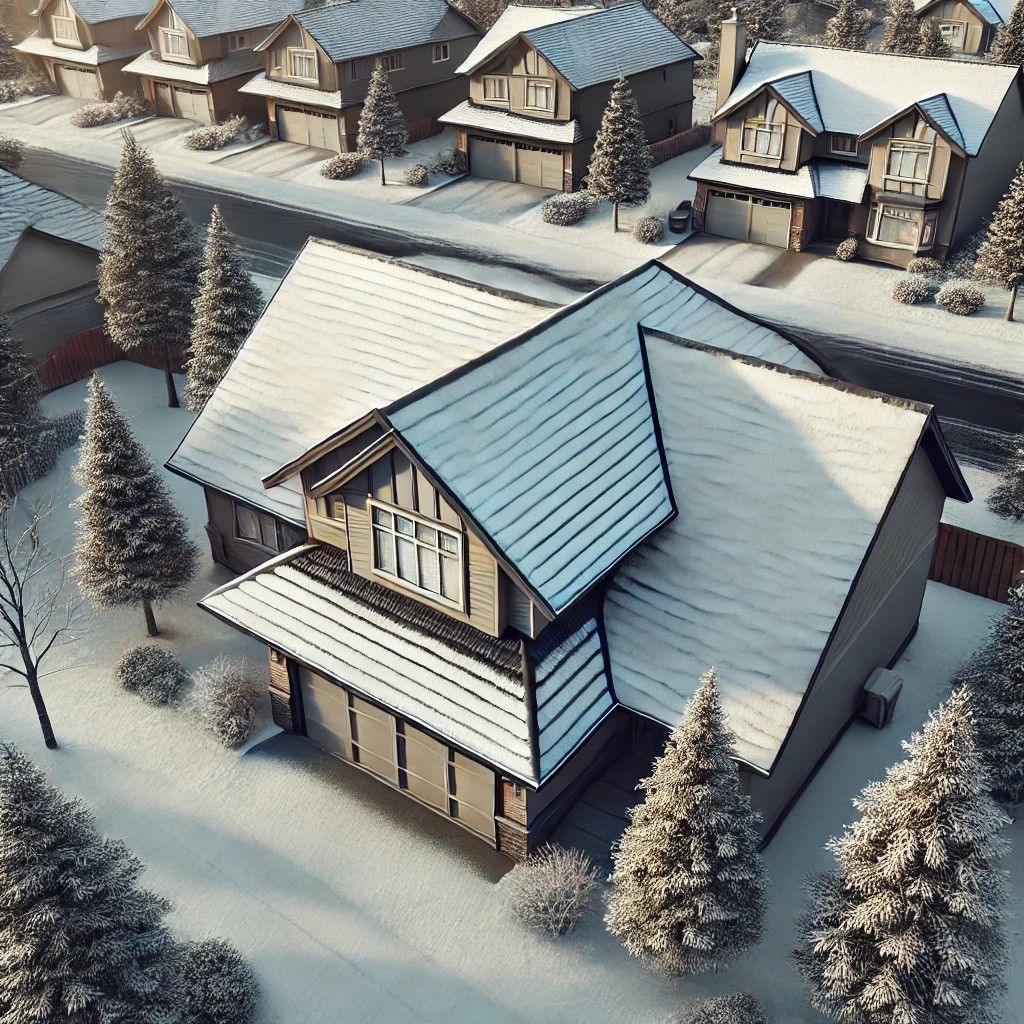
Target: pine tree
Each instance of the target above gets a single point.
(932, 42)
(10, 66)
(1006, 499)
(133, 544)
(620, 167)
(20, 390)
(484, 12)
(909, 928)
(80, 943)
(848, 27)
(685, 17)
(900, 29)
(765, 19)
(1001, 256)
(687, 889)
(1008, 47)
(150, 262)
(228, 305)
(382, 129)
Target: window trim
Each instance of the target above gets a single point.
(961, 29)
(444, 48)
(842, 152)
(237, 41)
(546, 83)
(304, 52)
(174, 33)
(498, 101)
(237, 505)
(878, 209)
(74, 37)
(393, 62)
(759, 125)
(912, 144)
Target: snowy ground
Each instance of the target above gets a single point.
(356, 905)
(976, 515)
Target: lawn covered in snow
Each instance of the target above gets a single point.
(354, 904)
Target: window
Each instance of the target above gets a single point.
(256, 528)
(895, 226)
(418, 553)
(953, 33)
(762, 136)
(393, 61)
(64, 29)
(236, 41)
(302, 64)
(844, 144)
(495, 89)
(539, 94)
(173, 43)
(906, 166)
(442, 52)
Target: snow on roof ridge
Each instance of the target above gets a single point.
(962, 61)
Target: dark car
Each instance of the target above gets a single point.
(679, 218)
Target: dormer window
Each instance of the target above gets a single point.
(64, 29)
(302, 64)
(762, 136)
(495, 89)
(173, 39)
(540, 94)
(842, 145)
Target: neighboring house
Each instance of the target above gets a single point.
(318, 64)
(968, 26)
(84, 45)
(201, 52)
(540, 79)
(49, 250)
(908, 154)
(515, 569)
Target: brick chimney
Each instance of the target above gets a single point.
(732, 55)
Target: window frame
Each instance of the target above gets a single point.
(852, 139)
(961, 32)
(70, 19)
(237, 41)
(179, 35)
(444, 48)
(876, 215)
(393, 62)
(918, 146)
(259, 517)
(303, 53)
(542, 83)
(765, 124)
(498, 100)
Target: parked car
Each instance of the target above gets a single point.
(679, 218)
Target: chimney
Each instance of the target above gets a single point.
(732, 55)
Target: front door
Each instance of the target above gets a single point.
(837, 220)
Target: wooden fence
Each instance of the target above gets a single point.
(681, 142)
(976, 563)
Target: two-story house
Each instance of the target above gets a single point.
(516, 569)
(540, 79)
(908, 154)
(82, 46)
(201, 53)
(968, 26)
(318, 64)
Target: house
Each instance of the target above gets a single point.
(968, 26)
(200, 53)
(517, 567)
(318, 63)
(908, 154)
(82, 46)
(49, 250)
(540, 79)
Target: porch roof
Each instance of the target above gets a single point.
(239, 63)
(37, 46)
(467, 115)
(260, 85)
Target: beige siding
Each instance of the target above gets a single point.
(64, 9)
(904, 129)
(165, 19)
(296, 37)
(513, 64)
(975, 31)
(790, 156)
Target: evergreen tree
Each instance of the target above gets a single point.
(932, 42)
(133, 544)
(80, 943)
(12, 154)
(687, 889)
(848, 27)
(1008, 47)
(150, 261)
(909, 928)
(1001, 256)
(10, 66)
(901, 33)
(1006, 499)
(765, 19)
(382, 129)
(686, 18)
(20, 390)
(620, 167)
(226, 308)
(484, 12)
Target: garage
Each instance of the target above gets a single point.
(397, 752)
(747, 217)
(82, 83)
(308, 128)
(180, 101)
(505, 160)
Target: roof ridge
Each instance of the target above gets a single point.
(962, 61)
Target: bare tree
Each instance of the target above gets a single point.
(35, 615)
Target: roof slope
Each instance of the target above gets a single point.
(241, 62)
(798, 91)
(212, 17)
(93, 55)
(93, 12)
(781, 480)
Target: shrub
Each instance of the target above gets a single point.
(649, 230)
(911, 289)
(43, 452)
(154, 673)
(217, 136)
(847, 249)
(448, 161)
(344, 165)
(219, 985)
(960, 298)
(565, 209)
(552, 890)
(12, 154)
(417, 175)
(960, 263)
(31, 83)
(227, 701)
(120, 108)
(925, 266)
(735, 1009)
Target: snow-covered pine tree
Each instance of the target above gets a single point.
(484, 12)
(620, 167)
(80, 942)
(932, 42)
(382, 129)
(10, 66)
(1001, 256)
(1008, 47)
(20, 391)
(910, 926)
(1006, 499)
(685, 17)
(150, 261)
(901, 33)
(12, 154)
(765, 19)
(133, 545)
(228, 304)
(687, 888)
(848, 27)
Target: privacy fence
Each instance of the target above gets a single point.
(976, 563)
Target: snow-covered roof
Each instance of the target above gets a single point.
(798, 92)
(346, 332)
(95, 12)
(857, 90)
(781, 479)
(207, 18)
(993, 12)
(835, 179)
(93, 55)
(241, 62)
(260, 85)
(468, 115)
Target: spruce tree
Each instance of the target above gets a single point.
(10, 66)
(382, 129)
(484, 12)
(133, 544)
(80, 942)
(765, 20)
(1008, 47)
(620, 167)
(226, 308)
(685, 17)
(909, 928)
(901, 33)
(1001, 256)
(687, 889)
(20, 390)
(150, 262)
(932, 42)
(848, 27)
(1006, 499)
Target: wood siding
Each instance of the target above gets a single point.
(512, 65)
(942, 156)
(230, 551)
(976, 33)
(978, 564)
(296, 37)
(789, 158)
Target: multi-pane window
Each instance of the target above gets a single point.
(256, 528)
(236, 41)
(496, 88)
(894, 225)
(64, 29)
(302, 64)
(844, 144)
(419, 554)
(906, 166)
(953, 33)
(394, 61)
(442, 52)
(762, 136)
(173, 42)
(539, 94)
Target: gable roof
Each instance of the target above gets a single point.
(993, 12)
(212, 17)
(797, 91)
(95, 12)
(857, 91)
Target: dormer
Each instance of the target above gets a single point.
(60, 22)
(170, 36)
(294, 56)
(520, 80)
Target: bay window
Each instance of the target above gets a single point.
(895, 226)
(417, 553)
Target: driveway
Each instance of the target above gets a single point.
(43, 110)
(483, 199)
(276, 159)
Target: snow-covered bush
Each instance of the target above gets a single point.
(12, 154)
(552, 890)
(217, 136)
(911, 289)
(120, 108)
(344, 165)
(31, 83)
(649, 230)
(154, 673)
(220, 986)
(927, 266)
(449, 161)
(417, 176)
(960, 298)
(227, 697)
(740, 1008)
(42, 452)
(565, 209)
(846, 250)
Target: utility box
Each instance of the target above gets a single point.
(879, 696)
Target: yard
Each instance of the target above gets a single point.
(354, 904)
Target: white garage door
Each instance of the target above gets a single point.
(769, 222)
(492, 158)
(509, 161)
(308, 128)
(750, 218)
(178, 101)
(541, 167)
(77, 82)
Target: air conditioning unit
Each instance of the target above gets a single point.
(879, 696)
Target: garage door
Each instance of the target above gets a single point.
(541, 167)
(751, 218)
(308, 128)
(177, 101)
(77, 82)
(510, 161)
(769, 222)
(492, 158)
